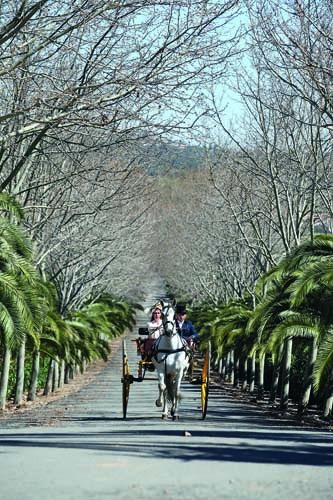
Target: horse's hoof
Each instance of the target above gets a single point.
(158, 403)
(164, 416)
(175, 417)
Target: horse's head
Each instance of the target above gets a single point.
(169, 323)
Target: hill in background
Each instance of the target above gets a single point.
(173, 156)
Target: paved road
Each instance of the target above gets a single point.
(80, 448)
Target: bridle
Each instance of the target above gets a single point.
(169, 332)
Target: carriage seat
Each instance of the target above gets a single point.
(145, 348)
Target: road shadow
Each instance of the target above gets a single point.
(220, 445)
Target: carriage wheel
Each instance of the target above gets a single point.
(140, 368)
(205, 382)
(190, 371)
(125, 380)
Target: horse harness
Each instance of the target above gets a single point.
(169, 351)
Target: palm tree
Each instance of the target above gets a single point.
(313, 289)
(323, 372)
(296, 305)
(272, 300)
(225, 326)
(19, 307)
(83, 336)
(295, 325)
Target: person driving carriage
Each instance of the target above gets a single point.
(185, 327)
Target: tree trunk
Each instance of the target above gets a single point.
(220, 366)
(4, 378)
(236, 381)
(55, 378)
(78, 366)
(261, 384)
(329, 400)
(245, 366)
(252, 373)
(223, 370)
(329, 404)
(286, 374)
(19, 387)
(67, 373)
(232, 367)
(304, 403)
(276, 374)
(227, 367)
(34, 376)
(62, 374)
(49, 378)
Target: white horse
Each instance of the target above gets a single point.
(171, 360)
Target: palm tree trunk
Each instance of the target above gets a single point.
(55, 378)
(67, 374)
(49, 378)
(236, 381)
(329, 404)
(62, 374)
(252, 372)
(19, 387)
(227, 367)
(223, 368)
(286, 374)
(261, 384)
(329, 400)
(4, 378)
(276, 374)
(245, 366)
(232, 367)
(34, 376)
(219, 366)
(304, 403)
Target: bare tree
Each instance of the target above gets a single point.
(294, 41)
(103, 65)
(83, 86)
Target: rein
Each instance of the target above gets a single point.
(168, 351)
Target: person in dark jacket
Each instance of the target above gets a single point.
(184, 326)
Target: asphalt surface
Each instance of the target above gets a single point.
(80, 447)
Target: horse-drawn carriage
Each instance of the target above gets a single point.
(173, 360)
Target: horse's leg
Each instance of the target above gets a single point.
(176, 395)
(165, 403)
(160, 377)
(171, 394)
(159, 400)
(162, 399)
